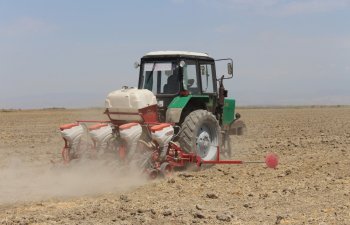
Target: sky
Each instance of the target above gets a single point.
(64, 53)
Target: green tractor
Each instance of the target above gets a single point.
(191, 95)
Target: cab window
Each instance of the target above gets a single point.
(190, 81)
(160, 78)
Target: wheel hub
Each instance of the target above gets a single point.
(203, 142)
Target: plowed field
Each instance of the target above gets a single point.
(310, 186)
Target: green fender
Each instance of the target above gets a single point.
(229, 111)
(230, 124)
(174, 111)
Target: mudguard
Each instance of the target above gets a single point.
(175, 108)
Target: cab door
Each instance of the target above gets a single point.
(208, 83)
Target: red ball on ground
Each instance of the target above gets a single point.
(271, 160)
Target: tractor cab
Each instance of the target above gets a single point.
(179, 80)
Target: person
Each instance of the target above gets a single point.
(172, 85)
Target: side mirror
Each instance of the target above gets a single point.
(229, 68)
(190, 82)
(136, 65)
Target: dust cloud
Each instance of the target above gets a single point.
(23, 181)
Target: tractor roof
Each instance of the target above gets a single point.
(172, 54)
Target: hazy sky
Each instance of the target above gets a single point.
(68, 53)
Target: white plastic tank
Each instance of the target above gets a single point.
(128, 102)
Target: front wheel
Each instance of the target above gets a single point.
(200, 134)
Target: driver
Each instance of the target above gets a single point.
(172, 85)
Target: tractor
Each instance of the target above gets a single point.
(178, 114)
(190, 95)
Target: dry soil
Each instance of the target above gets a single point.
(310, 186)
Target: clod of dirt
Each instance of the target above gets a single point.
(178, 214)
(125, 198)
(279, 219)
(223, 217)
(153, 212)
(199, 207)
(167, 212)
(199, 215)
(212, 195)
(248, 206)
(287, 172)
(141, 211)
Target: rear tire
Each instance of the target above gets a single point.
(200, 134)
